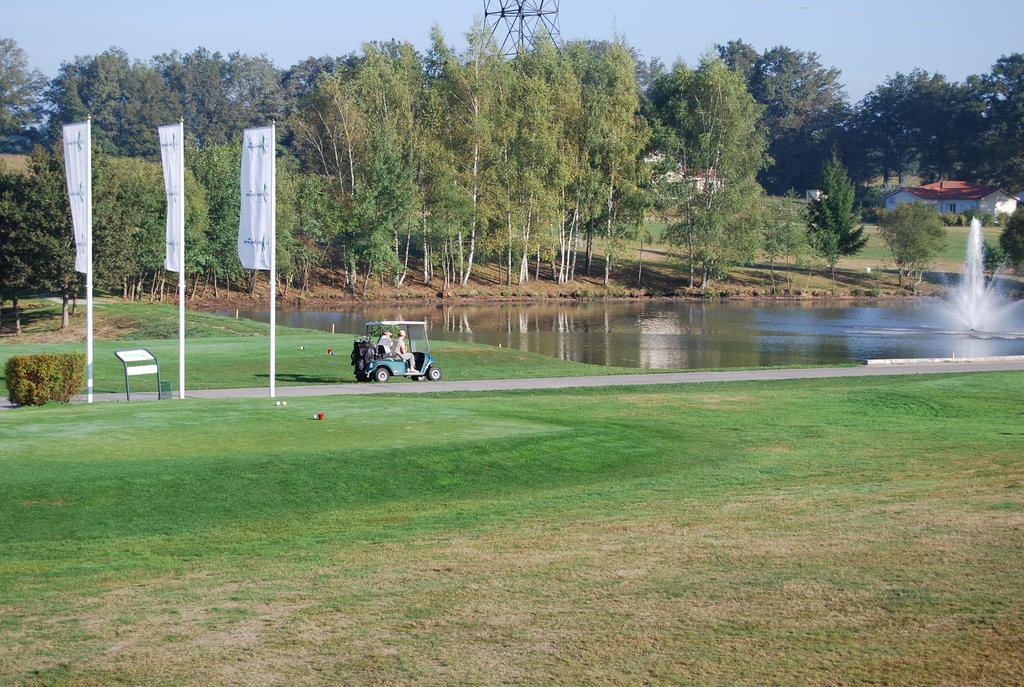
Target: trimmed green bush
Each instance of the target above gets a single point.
(967, 215)
(951, 219)
(33, 380)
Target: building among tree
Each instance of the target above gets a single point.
(701, 178)
(956, 197)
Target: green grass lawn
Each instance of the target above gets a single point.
(665, 268)
(864, 531)
(876, 252)
(228, 353)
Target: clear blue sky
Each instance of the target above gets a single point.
(868, 40)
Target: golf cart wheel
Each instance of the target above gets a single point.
(381, 374)
(434, 374)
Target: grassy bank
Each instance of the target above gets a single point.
(227, 353)
(829, 532)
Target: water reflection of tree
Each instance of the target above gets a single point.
(671, 333)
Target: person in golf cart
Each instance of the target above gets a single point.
(386, 342)
(374, 360)
(402, 352)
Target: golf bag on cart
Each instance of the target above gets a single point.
(362, 356)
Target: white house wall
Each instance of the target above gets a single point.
(995, 204)
(998, 204)
(900, 198)
(903, 197)
(957, 206)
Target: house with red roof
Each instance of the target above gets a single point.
(955, 197)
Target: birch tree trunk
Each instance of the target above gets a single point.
(64, 310)
(476, 209)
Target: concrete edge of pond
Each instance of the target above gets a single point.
(951, 361)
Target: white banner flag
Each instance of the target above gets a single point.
(171, 152)
(78, 169)
(255, 223)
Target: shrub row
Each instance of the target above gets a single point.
(963, 219)
(33, 380)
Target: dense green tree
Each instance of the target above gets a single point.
(783, 233)
(804, 108)
(329, 130)
(739, 56)
(126, 100)
(36, 242)
(199, 79)
(831, 223)
(18, 244)
(360, 127)
(947, 122)
(128, 224)
(459, 147)
(709, 126)
(216, 169)
(388, 90)
(584, 190)
(254, 90)
(617, 136)
(21, 89)
(993, 257)
(527, 134)
(300, 79)
(647, 71)
(915, 236)
(314, 223)
(219, 96)
(1003, 93)
(1012, 239)
(919, 122)
(885, 131)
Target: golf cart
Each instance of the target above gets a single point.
(373, 361)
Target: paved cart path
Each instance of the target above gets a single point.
(396, 387)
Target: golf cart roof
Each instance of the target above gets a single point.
(393, 323)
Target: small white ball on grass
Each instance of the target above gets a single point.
(277, 403)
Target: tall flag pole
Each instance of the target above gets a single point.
(78, 172)
(172, 158)
(181, 271)
(257, 221)
(273, 258)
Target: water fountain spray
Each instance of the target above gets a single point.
(977, 306)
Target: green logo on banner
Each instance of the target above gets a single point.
(261, 146)
(264, 194)
(77, 141)
(261, 244)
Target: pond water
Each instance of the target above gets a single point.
(675, 334)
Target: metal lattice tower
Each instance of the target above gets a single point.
(517, 24)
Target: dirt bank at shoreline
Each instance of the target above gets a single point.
(325, 298)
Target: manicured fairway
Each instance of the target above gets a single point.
(862, 531)
(227, 353)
